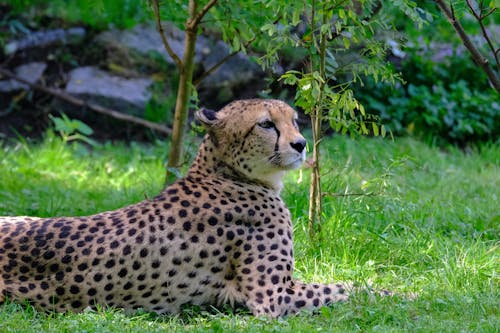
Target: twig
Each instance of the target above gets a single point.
(369, 194)
(212, 69)
(177, 60)
(195, 20)
(476, 55)
(480, 18)
(94, 107)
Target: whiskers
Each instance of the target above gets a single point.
(286, 159)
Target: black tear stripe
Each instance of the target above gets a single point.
(276, 146)
(246, 136)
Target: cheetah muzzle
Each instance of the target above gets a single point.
(221, 235)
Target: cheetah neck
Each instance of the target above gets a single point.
(208, 163)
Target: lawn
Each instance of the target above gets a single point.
(399, 215)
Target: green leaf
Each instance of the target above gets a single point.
(375, 129)
(383, 130)
(82, 127)
(342, 14)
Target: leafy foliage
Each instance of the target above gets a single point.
(448, 101)
(72, 129)
(96, 13)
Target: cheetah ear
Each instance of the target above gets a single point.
(207, 117)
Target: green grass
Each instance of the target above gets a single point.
(428, 224)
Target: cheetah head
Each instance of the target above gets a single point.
(259, 139)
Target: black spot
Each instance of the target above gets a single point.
(172, 191)
(216, 269)
(49, 255)
(212, 220)
(60, 244)
(110, 263)
(127, 250)
(76, 304)
(186, 226)
(300, 303)
(74, 289)
(228, 217)
(83, 267)
(60, 291)
(123, 272)
(143, 253)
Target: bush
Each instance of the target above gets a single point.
(447, 101)
(95, 13)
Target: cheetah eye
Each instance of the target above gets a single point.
(266, 124)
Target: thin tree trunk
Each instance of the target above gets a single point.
(315, 194)
(183, 94)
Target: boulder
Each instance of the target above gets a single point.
(45, 38)
(30, 72)
(94, 85)
(144, 39)
(220, 86)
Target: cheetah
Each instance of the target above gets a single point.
(220, 235)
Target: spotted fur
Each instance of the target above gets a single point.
(221, 235)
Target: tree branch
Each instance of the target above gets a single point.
(212, 69)
(171, 53)
(480, 18)
(94, 107)
(476, 55)
(197, 18)
(368, 194)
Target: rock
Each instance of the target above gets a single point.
(45, 38)
(31, 72)
(94, 85)
(144, 38)
(220, 86)
(237, 70)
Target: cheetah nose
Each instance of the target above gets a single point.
(298, 145)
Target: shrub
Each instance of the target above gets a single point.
(448, 101)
